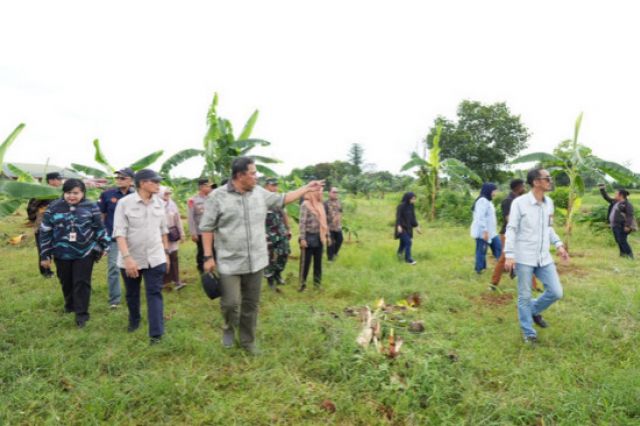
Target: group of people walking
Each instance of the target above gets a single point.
(243, 232)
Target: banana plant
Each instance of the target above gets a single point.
(575, 160)
(14, 193)
(220, 147)
(108, 170)
(431, 169)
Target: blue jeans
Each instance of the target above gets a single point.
(113, 274)
(481, 251)
(405, 246)
(153, 286)
(528, 307)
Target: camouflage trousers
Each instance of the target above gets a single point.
(278, 256)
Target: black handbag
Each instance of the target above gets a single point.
(174, 234)
(211, 285)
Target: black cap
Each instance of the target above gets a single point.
(272, 181)
(54, 175)
(147, 174)
(127, 171)
(211, 285)
(203, 181)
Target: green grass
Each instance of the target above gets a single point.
(468, 367)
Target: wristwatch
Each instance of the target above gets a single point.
(205, 258)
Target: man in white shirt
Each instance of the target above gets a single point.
(528, 238)
(140, 228)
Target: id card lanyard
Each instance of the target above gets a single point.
(73, 236)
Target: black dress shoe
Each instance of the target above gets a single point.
(539, 321)
(81, 323)
(133, 327)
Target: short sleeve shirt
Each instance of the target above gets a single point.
(238, 223)
(143, 226)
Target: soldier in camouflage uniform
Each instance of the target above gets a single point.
(278, 235)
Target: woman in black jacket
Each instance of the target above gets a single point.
(621, 219)
(405, 222)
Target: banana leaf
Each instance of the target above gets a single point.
(22, 175)
(100, 157)
(245, 145)
(178, 158)
(416, 161)
(89, 171)
(454, 167)
(248, 127)
(265, 170)
(615, 170)
(9, 140)
(8, 207)
(146, 161)
(541, 157)
(266, 160)
(28, 190)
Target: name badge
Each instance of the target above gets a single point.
(72, 237)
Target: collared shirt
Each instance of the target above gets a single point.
(238, 223)
(195, 210)
(143, 226)
(334, 214)
(484, 219)
(530, 231)
(107, 203)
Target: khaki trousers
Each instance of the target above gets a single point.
(499, 269)
(239, 304)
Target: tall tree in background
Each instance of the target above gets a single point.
(485, 138)
(356, 156)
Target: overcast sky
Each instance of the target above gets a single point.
(140, 75)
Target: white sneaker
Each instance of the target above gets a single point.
(413, 262)
(114, 306)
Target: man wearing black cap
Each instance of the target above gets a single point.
(621, 218)
(107, 203)
(195, 209)
(35, 212)
(278, 236)
(140, 228)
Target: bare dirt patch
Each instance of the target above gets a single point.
(492, 299)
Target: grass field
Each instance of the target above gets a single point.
(468, 367)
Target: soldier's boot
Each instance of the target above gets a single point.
(272, 284)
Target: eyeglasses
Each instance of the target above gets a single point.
(547, 178)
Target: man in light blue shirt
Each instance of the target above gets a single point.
(529, 235)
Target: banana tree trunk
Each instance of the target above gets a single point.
(434, 193)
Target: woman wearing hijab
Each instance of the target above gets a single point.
(73, 235)
(484, 226)
(314, 235)
(405, 222)
(175, 236)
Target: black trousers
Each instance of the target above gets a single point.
(315, 254)
(621, 239)
(75, 278)
(45, 272)
(336, 243)
(200, 254)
